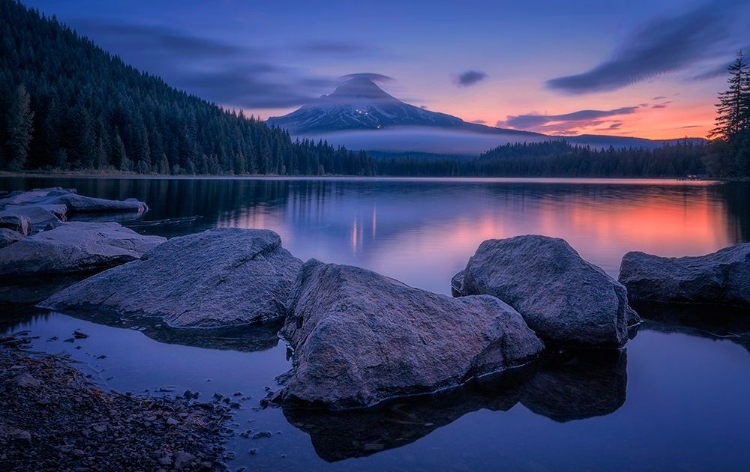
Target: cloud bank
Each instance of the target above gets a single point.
(223, 73)
(567, 123)
(658, 47)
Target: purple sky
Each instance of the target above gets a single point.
(633, 68)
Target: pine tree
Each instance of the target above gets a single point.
(20, 127)
(732, 110)
(730, 150)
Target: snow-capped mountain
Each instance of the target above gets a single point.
(360, 115)
(359, 104)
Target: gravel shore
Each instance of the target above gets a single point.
(53, 418)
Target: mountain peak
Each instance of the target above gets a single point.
(360, 104)
(359, 88)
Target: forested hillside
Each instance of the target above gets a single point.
(67, 104)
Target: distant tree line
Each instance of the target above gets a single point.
(729, 154)
(558, 158)
(67, 104)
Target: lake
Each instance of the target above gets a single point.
(676, 398)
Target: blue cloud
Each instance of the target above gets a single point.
(470, 77)
(660, 46)
(564, 125)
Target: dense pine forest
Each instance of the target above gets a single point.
(68, 105)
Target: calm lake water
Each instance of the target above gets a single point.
(675, 399)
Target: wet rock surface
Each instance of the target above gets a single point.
(562, 297)
(720, 278)
(51, 418)
(361, 338)
(214, 279)
(74, 247)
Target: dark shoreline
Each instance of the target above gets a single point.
(53, 418)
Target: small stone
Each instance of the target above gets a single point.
(21, 435)
(100, 428)
(172, 422)
(253, 452)
(26, 380)
(80, 335)
(183, 459)
(262, 434)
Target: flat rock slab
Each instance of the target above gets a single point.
(81, 204)
(14, 222)
(721, 278)
(39, 218)
(562, 297)
(51, 199)
(9, 236)
(73, 248)
(219, 278)
(361, 338)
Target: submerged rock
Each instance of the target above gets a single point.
(562, 297)
(721, 278)
(360, 338)
(73, 248)
(218, 278)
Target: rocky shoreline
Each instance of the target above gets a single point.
(53, 418)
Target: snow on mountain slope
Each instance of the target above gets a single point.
(359, 104)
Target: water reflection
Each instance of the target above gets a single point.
(709, 321)
(564, 386)
(423, 231)
(576, 385)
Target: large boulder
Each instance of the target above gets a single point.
(719, 278)
(360, 338)
(219, 278)
(562, 297)
(73, 248)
